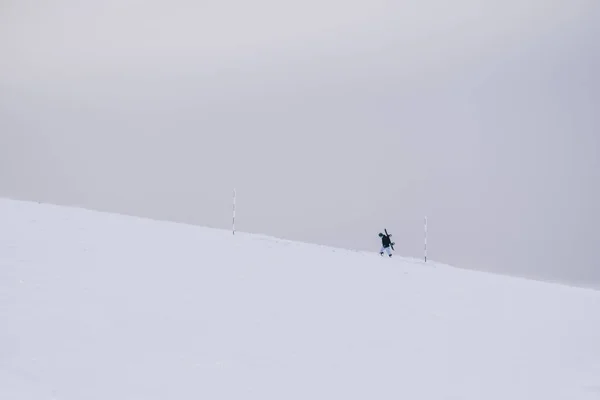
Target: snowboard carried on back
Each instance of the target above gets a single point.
(392, 243)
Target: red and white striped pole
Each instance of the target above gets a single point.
(233, 221)
(425, 239)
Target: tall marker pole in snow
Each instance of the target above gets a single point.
(233, 221)
(425, 239)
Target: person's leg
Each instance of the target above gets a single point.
(389, 251)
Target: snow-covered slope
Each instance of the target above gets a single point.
(99, 306)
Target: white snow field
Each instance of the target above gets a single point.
(109, 307)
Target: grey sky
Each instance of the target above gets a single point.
(333, 119)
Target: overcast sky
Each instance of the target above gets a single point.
(333, 119)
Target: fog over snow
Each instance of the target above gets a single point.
(332, 119)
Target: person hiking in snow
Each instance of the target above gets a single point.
(386, 243)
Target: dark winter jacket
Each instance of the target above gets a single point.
(386, 241)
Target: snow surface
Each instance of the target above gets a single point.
(103, 306)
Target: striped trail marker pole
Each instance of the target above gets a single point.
(233, 221)
(425, 239)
